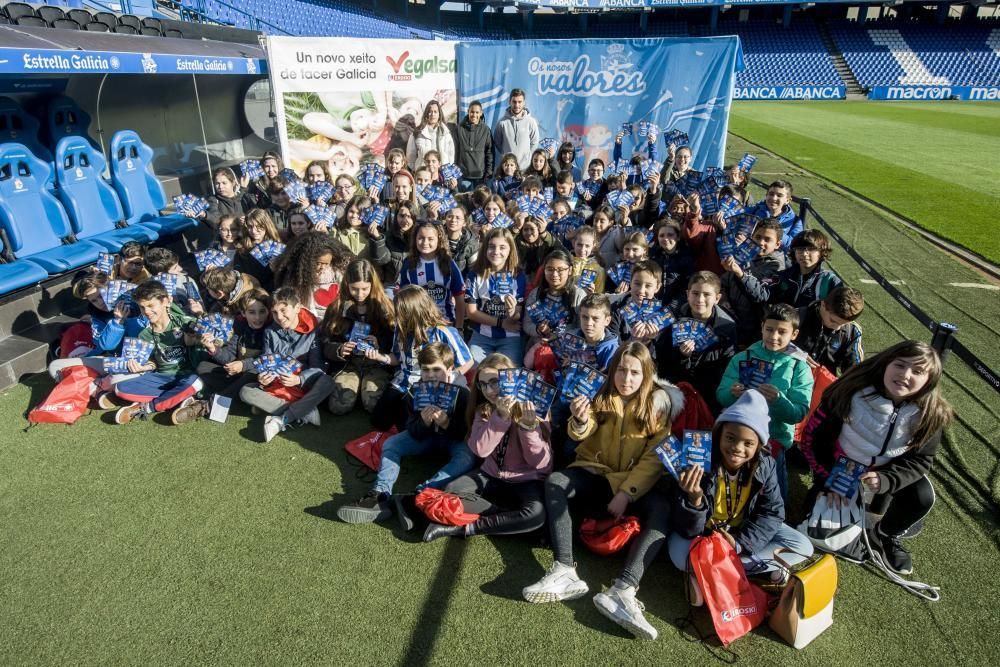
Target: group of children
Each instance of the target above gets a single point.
(555, 350)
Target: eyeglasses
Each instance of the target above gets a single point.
(489, 385)
(556, 269)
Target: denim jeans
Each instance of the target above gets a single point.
(481, 346)
(403, 444)
(786, 537)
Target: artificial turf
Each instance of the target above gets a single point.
(934, 163)
(196, 544)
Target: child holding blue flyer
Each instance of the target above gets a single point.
(777, 204)
(675, 260)
(431, 267)
(436, 421)
(167, 379)
(738, 496)
(588, 274)
(357, 335)
(290, 390)
(494, 295)
(805, 280)
(615, 469)
(744, 284)
(361, 232)
(885, 415)
(697, 347)
(510, 433)
(638, 314)
(259, 248)
(780, 373)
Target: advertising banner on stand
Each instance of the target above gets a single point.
(349, 101)
(582, 91)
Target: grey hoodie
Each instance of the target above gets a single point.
(518, 135)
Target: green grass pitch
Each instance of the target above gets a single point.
(935, 163)
(161, 545)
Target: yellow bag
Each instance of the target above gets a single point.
(805, 608)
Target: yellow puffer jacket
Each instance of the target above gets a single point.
(617, 447)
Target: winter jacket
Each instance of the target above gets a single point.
(456, 430)
(518, 135)
(790, 223)
(589, 264)
(473, 149)
(300, 343)
(249, 266)
(609, 247)
(791, 287)
(363, 246)
(465, 249)
(398, 246)
(230, 305)
(791, 376)
(614, 446)
(526, 455)
(616, 154)
(245, 344)
(532, 255)
(837, 350)
(430, 139)
(878, 434)
(109, 339)
(596, 354)
(700, 235)
(219, 206)
(256, 196)
(703, 370)
(762, 516)
(742, 293)
(331, 344)
(570, 301)
(677, 268)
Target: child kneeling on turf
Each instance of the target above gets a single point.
(739, 497)
(615, 468)
(432, 428)
(290, 397)
(168, 378)
(507, 490)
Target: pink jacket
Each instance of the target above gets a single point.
(528, 455)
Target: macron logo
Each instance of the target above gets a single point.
(398, 63)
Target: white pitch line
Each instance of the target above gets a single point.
(869, 281)
(993, 288)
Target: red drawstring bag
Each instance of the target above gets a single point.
(278, 390)
(736, 605)
(441, 507)
(68, 400)
(607, 536)
(822, 378)
(76, 341)
(695, 415)
(368, 448)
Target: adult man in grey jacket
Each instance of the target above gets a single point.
(517, 132)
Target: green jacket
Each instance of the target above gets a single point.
(791, 376)
(170, 354)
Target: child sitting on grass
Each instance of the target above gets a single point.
(433, 428)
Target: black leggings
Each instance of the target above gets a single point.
(390, 410)
(903, 508)
(592, 493)
(504, 508)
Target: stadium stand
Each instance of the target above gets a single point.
(916, 54)
(306, 19)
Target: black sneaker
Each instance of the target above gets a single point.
(372, 507)
(913, 530)
(403, 505)
(895, 557)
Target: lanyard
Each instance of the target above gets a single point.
(501, 450)
(730, 509)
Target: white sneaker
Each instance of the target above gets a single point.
(618, 603)
(273, 425)
(311, 417)
(559, 583)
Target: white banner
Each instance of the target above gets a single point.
(348, 101)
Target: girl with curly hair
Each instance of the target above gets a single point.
(312, 265)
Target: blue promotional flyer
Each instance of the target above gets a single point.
(582, 91)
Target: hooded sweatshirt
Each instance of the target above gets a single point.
(790, 223)
(518, 135)
(300, 343)
(524, 455)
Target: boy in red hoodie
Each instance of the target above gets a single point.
(290, 398)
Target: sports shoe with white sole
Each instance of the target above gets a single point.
(273, 425)
(311, 417)
(618, 603)
(105, 402)
(559, 583)
(189, 411)
(129, 413)
(370, 508)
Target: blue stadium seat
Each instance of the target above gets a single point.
(91, 203)
(35, 223)
(19, 273)
(65, 118)
(140, 192)
(17, 126)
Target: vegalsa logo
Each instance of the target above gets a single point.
(407, 69)
(728, 615)
(617, 76)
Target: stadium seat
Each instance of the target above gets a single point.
(49, 13)
(107, 18)
(154, 23)
(125, 30)
(140, 192)
(92, 205)
(65, 118)
(33, 219)
(19, 273)
(15, 10)
(173, 32)
(81, 16)
(131, 21)
(16, 126)
(66, 24)
(32, 22)
(96, 26)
